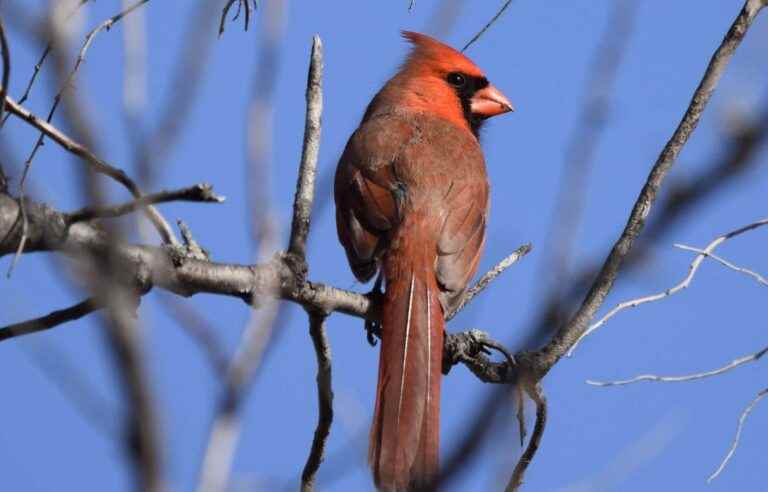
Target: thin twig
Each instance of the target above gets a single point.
(240, 4)
(690, 377)
(50, 320)
(537, 395)
(684, 283)
(725, 262)
(489, 277)
(324, 400)
(305, 186)
(41, 60)
(742, 418)
(95, 163)
(6, 55)
(487, 26)
(197, 193)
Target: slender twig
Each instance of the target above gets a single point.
(760, 279)
(6, 55)
(537, 395)
(689, 377)
(50, 320)
(95, 163)
(240, 4)
(487, 26)
(197, 193)
(489, 277)
(742, 418)
(684, 283)
(324, 400)
(43, 57)
(305, 186)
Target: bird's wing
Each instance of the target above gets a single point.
(367, 192)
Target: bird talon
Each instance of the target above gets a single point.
(371, 330)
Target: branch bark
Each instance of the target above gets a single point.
(324, 400)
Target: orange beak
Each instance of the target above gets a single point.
(489, 101)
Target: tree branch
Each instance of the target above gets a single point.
(690, 377)
(746, 271)
(489, 276)
(197, 193)
(50, 320)
(487, 26)
(96, 164)
(305, 186)
(537, 395)
(6, 56)
(684, 283)
(742, 418)
(324, 400)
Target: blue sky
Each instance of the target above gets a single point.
(641, 437)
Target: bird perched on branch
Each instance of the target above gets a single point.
(411, 197)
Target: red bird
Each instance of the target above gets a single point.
(411, 201)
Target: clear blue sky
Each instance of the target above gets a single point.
(635, 438)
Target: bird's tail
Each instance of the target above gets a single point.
(405, 434)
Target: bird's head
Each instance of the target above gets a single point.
(441, 80)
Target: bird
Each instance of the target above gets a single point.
(412, 201)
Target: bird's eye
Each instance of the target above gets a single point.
(456, 79)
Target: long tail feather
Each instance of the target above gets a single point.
(404, 443)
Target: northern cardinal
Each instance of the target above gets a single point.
(411, 197)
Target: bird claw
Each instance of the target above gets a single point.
(372, 329)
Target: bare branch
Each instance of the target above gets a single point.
(742, 418)
(490, 276)
(537, 395)
(684, 283)
(690, 377)
(197, 193)
(725, 262)
(50, 320)
(324, 400)
(305, 186)
(6, 56)
(487, 26)
(95, 163)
